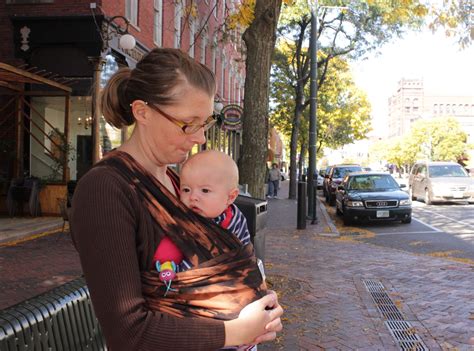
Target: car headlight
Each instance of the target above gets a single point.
(406, 202)
(354, 204)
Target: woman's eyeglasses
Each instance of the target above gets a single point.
(187, 128)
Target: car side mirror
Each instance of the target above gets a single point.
(403, 186)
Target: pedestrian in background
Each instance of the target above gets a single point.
(127, 204)
(274, 183)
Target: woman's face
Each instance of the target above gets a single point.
(163, 139)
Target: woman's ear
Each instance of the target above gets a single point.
(140, 111)
(232, 196)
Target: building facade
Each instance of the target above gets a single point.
(410, 102)
(77, 44)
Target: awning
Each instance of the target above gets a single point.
(13, 78)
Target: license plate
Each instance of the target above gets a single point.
(458, 194)
(383, 214)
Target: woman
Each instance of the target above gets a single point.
(126, 205)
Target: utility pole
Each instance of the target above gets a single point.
(313, 113)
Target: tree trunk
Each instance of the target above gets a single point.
(295, 131)
(260, 39)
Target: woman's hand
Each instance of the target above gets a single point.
(257, 322)
(275, 325)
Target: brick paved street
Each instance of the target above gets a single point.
(36, 266)
(319, 280)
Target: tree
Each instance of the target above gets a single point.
(427, 140)
(435, 144)
(259, 39)
(350, 33)
(456, 17)
(343, 110)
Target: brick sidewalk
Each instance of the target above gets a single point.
(320, 283)
(319, 280)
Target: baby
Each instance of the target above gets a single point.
(209, 187)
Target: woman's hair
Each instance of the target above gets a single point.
(153, 81)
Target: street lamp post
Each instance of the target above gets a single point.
(313, 118)
(313, 114)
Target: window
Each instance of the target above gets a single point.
(214, 54)
(229, 87)
(192, 33)
(158, 23)
(131, 11)
(178, 13)
(223, 66)
(204, 39)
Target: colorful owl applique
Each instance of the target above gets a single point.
(167, 257)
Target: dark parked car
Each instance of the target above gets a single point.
(334, 177)
(372, 196)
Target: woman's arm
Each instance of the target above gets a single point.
(106, 217)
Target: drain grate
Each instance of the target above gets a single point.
(406, 336)
(402, 331)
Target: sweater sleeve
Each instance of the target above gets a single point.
(105, 220)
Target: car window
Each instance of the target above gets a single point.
(340, 172)
(447, 171)
(372, 182)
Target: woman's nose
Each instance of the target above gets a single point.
(199, 137)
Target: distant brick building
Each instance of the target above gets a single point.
(410, 102)
(76, 43)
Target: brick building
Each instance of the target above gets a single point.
(56, 56)
(411, 102)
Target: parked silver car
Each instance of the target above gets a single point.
(440, 181)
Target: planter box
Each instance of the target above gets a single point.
(48, 197)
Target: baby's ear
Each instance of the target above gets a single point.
(232, 196)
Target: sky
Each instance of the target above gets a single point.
(444, 67)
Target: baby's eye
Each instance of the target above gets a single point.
(205, 191)
(185, 190)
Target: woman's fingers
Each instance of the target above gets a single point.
(265, 337)
(275, 325)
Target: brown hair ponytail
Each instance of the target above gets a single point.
(114, 99)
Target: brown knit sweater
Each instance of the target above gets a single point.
(116, 238)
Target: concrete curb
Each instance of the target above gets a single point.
(334, 231)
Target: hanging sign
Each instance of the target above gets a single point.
(232, 117)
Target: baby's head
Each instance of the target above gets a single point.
(209, 183)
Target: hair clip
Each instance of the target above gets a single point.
(145, 102)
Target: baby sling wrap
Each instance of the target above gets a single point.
(224, 277)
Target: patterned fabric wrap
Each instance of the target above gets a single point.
(224, 277)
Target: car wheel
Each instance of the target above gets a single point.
(406, 220)
(427, 197)
(346, 219)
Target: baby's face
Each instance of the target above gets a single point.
(204, 192)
